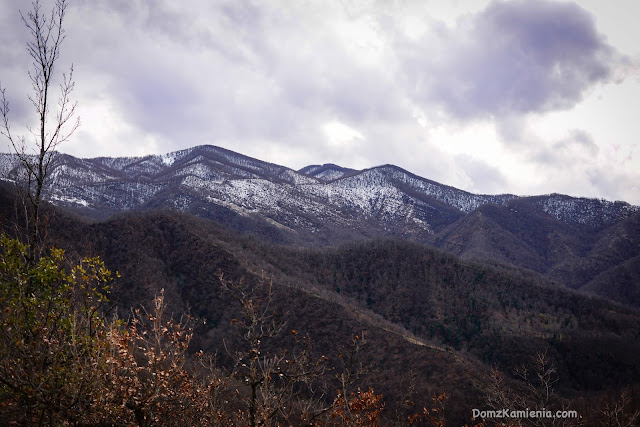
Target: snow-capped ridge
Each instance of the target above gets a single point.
(593, 212)
(386, 198)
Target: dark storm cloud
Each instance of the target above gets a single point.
(511, 58)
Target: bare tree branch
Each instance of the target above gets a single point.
(47, 34)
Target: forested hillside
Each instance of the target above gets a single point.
(427, 322)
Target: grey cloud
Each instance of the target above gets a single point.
(572, 164)
(236, 70)
(15, 63)
(252, 71)
(512, 58)
(164, 77)
(617, 185)
(581, 140)
(577, 147)
(484, 178)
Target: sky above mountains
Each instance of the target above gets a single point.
(525, 97)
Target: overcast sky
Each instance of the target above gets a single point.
(525, 97)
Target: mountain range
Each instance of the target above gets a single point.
(588, 244)
(448, 287)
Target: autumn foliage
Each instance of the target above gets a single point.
(65, 359)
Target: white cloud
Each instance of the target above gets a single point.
(339, 134)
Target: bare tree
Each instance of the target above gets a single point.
(618, 410)
(281, 384)
(47, 34)
(536, 390)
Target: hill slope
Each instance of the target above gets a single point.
(448, 320)
(577, 242)
(431, 321)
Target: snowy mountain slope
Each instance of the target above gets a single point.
(594, 213)
(7, 164)
(329, 199)
(575, 241)
(327, 172)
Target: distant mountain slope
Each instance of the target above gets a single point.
(381, 200)
(326, 172)
(378, 201)
(592, 256)
(572, 240)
